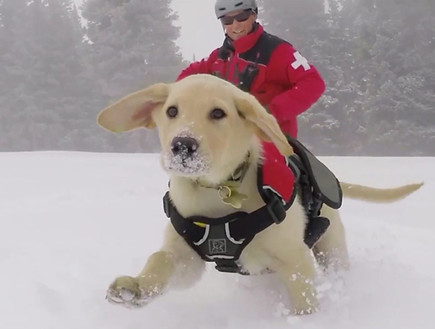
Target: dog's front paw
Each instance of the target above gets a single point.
(306, 304)
(127, 291)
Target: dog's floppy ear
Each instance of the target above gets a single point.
(267, 127)
(134, 111)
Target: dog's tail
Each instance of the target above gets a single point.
(378, 195)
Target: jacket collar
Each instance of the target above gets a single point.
(247, 42)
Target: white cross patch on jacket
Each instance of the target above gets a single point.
(300, 61)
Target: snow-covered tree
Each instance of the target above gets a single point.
(132, 45)
(42, 64)
(377, 57)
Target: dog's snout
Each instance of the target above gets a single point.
(184, 146)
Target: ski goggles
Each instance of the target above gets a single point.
(243, 16)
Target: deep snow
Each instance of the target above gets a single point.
(71, 222)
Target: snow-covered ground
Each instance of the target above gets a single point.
(71, 222)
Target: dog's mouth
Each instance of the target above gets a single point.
(181, 164)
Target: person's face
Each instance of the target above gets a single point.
(237, 24)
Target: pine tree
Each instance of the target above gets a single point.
(132, 46)
(133, 43)
(11, 73)
(377, 59)
(298, 22)
(49, 99)
(397, 100)
(310, 29)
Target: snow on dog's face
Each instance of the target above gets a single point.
(206, 125)
(201, 131)
(183, 157)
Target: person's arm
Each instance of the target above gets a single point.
(304, 81)
(202, 66)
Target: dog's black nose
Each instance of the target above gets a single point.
(185, 147)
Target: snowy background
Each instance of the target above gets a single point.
(73, 221)
(203, 26)
(58, 69)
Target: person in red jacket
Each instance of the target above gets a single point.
(268, 67)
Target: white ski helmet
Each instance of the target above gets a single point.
(223, 7)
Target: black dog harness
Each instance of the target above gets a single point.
(222, 240)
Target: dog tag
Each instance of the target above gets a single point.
(231, 197)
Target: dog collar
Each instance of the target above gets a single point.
(227, 190)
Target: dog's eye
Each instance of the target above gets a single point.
(217, 114)
(172, 112)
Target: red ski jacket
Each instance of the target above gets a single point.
(284, 82)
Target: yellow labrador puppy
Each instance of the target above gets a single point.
(207, 126)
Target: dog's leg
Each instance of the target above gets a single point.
(151, 281)
(331, 250)
(175, 262)
(291, 259)
(297, 273)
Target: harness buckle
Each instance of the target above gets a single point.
(275, 208)
(228, 268)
